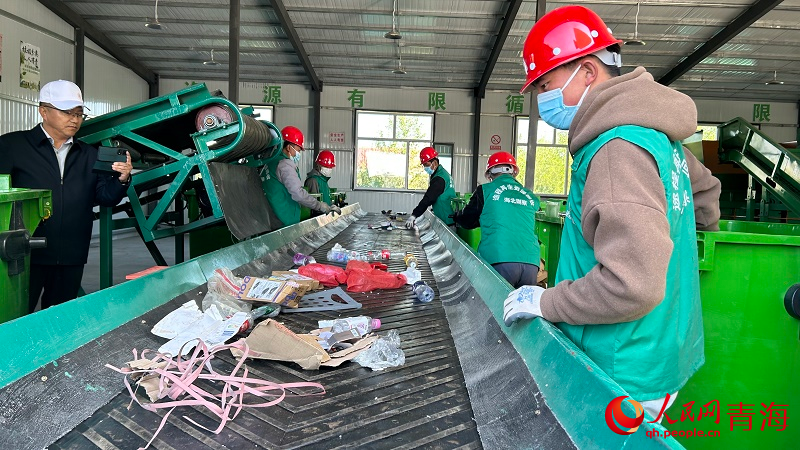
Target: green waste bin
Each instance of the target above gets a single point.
(752, 344)
(21, 210)
(471, 236)
(548, 230)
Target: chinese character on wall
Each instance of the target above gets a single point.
(356, 98)
(514, 104)
(436, 101)
(272, 94)
(761, 112)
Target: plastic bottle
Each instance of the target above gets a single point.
(424, 292)
(363, 324)
(301, 259)
(337, 254)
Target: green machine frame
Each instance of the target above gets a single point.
(161, 135)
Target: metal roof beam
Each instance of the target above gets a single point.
(739, 24)
(297, 44)
(74, 19)
(505, 27)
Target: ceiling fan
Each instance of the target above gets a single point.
(154, 24)
(636, 40)
(774, 81)
(211, 62)
(394, 34)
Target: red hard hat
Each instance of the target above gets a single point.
(427, 154)
(563, 35)
(293, 135)
(326, 159)
(501, 158)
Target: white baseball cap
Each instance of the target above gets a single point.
(62, 94)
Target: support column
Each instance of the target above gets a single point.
(233, 52)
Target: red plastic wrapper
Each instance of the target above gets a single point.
(361, 277)
(329, 276)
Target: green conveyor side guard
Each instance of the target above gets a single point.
(777, 169)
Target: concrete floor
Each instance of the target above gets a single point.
(129, 256)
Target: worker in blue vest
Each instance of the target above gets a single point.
(506, 212)
(627, 291)
(283, 185)
(440, 190)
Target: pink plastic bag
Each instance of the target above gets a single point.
(329, 276)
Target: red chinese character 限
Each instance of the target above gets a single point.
(739, 415)
(778, 415)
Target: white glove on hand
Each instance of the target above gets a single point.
(410, 222)
(523, 303)
(333, 209)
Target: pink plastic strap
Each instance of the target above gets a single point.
(177, 377)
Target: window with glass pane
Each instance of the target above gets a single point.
(552, 157)
(709, 131)
(388, 145)
(262, 112)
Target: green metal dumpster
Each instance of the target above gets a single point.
(548, 230)
(21, 210)
(752, 344)
(471, 236)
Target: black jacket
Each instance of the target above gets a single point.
(30, 159)
(470, 216)
(435, 189)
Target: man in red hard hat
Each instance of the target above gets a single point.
(627, 290)
(283, 185)
(506, 213)
(440, 190)
(317, 178)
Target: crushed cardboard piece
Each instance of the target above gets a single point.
(271, 340)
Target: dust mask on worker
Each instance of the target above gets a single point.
(326, 171)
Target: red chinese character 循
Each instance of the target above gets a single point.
(778, 415)
(740, 415)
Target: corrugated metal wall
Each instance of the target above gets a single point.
(109, 86)
(453, 125)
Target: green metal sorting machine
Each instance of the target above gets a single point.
(21, 210)
(189, 144)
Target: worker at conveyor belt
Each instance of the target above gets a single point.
(283, 185)
(506, 212)
(440, 190)
(317, 179)
(627, 291)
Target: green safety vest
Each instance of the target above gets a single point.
(508, 216)
(324, 190)
(442, 207)
(287, 210)
(656, 354)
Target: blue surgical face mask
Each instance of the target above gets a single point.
(552, 108)
(428, 170)
(296, 157)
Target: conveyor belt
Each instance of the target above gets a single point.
(423, 403)
(429, 402)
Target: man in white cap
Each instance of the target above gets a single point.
(48, 157)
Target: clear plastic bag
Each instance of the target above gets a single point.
(227, 305)
(385, 352)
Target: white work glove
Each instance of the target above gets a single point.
(410, 222)
(523, 303)
(333, 209)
